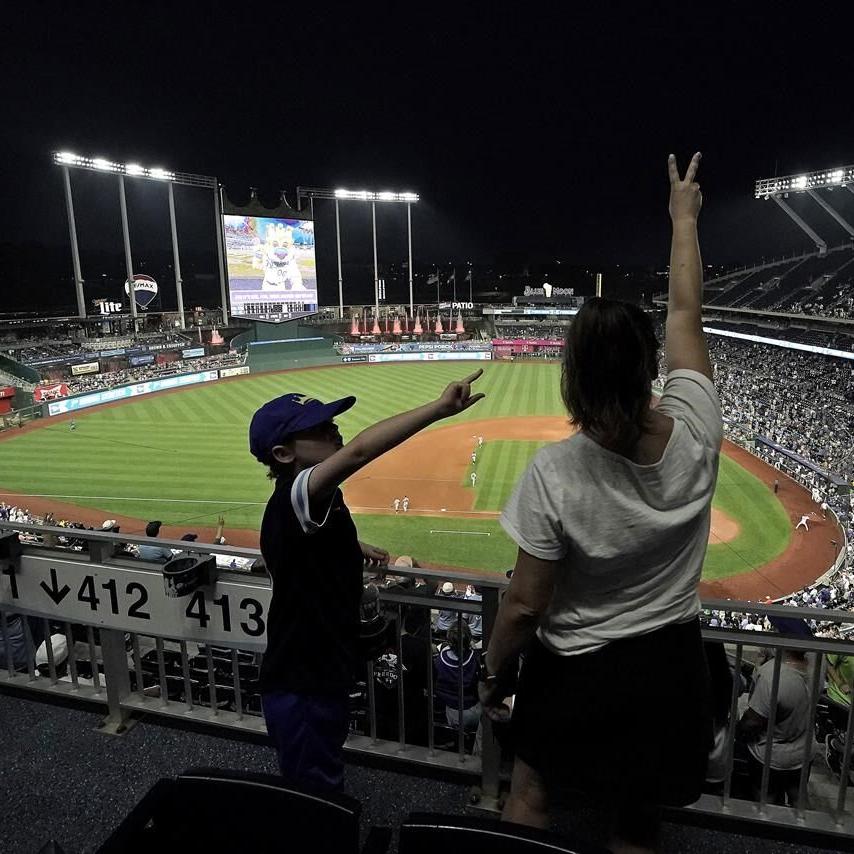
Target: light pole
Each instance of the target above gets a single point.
(126, 239)
(176, 261)
(373, 197)
(67, 160)
(340, 279)
(376, 269)
(409, 241)
(75, 255)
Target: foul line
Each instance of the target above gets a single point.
(470, 533)
(133, 498)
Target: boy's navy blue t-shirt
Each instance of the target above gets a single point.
(316, 567)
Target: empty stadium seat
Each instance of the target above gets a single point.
(428, 833)
(214, 810)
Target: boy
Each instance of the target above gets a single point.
(312, 552)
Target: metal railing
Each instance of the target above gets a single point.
(130, 647)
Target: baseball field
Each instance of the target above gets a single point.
(182, 457)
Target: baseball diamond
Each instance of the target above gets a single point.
(188, 450)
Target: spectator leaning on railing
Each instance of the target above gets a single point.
(314, 557)
(612, 526)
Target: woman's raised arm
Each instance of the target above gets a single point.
(685, 341)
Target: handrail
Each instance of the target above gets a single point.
(145, 659)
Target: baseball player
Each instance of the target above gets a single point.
(473, 477)
(72, 425)
(816, 495)
(473, 457)
(396, 503)
(803, 521)
(479, 441)
(405, 503)
(824, 506)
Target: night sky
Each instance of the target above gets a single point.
(529, 135)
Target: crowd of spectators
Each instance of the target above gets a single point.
(96, 382)
(22, 515)
(802, 401)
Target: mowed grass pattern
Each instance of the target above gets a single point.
(765, 526)
(499, 466)
(184, 458)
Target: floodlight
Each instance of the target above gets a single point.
(409, 197)
(133, 170)
(386, 196)
(839, 176)
(342, 194)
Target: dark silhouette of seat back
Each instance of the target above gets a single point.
(213, 810)
(427, 833)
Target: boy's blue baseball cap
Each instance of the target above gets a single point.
(290, 413)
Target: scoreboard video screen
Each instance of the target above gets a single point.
(272, 273)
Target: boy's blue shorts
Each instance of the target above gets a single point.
(308, 733)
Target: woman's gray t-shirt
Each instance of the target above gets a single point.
(631, 538)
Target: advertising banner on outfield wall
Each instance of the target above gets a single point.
(85, 368)
(428, 357)
(50, 392)
(84, 401)
(524, 342)
(234, 372)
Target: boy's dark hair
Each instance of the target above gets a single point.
(278, 469)
(152, 529)
(610, 360)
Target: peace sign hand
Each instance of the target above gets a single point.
(685, 196)
(457, 397)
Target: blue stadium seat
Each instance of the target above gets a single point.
(214, 810)
(427, 833)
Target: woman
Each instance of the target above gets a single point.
(612, 526)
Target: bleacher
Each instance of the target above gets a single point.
(775, 286)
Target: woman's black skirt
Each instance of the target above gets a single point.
(628, 722)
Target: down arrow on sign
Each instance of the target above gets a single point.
(55, 592)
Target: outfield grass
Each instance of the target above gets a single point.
(184, 458)
(765, 526)
(499, 466)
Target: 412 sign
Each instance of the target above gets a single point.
(134, 599)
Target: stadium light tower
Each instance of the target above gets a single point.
(373, 197)
(67, 160)
(810, 183)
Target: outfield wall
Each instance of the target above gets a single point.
(292, 353)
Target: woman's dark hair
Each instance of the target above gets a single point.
(455, 633)
(609, 362)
